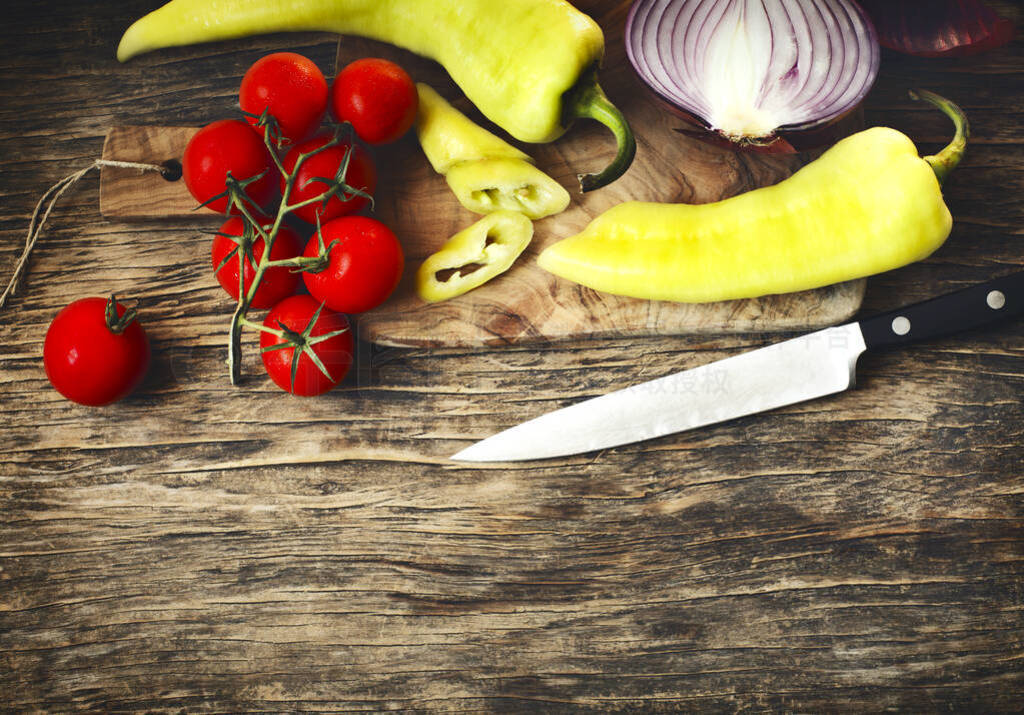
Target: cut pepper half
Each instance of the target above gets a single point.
(485, 172)
(449, 137)
(493, 184)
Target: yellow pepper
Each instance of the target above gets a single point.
(528, 65)
(474, 256)
(485, 172)
(449, 137)
(869, 204)
(491, 184)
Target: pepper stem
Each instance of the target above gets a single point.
(587, 99)
(947, 159)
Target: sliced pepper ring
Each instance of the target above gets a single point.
(474, 256)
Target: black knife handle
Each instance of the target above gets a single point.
(965, 309)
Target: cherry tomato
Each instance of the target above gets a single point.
(378, 97)
(291, 88)
(308, 320)
(90, 357)
(365, 264)
(277, 283)
(325, 164)
(227, 145)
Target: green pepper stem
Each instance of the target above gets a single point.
(947, 159)
(587, 99)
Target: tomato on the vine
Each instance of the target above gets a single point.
(289, 87)
(95, 352)
(228, 145)
(305, 330)
(360, 174)
(234, 245)
(364, 264)
(377, 97)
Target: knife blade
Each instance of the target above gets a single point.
(803, 368)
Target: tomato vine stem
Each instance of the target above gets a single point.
(238, 199)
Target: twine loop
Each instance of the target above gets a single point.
(35, 226)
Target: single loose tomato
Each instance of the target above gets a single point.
(310, 334)
(228, 145)
(291, 88)
(326, 164)
(238, 243)
(364, 267)
(378, 97)
(95, 352)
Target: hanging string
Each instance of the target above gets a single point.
(35, 226)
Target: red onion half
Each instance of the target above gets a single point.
(749, 69)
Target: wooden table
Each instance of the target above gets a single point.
(200, 547)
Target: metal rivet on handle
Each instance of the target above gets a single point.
(900, 325)
(995, 299)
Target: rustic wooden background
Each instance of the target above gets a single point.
(525, 304)
(205, 548)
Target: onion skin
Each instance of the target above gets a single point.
(938, 28)
(790, 142)
(777, 145)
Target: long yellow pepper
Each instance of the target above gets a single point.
(869, 204)
(528, 65)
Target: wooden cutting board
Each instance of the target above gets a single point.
(526, 303)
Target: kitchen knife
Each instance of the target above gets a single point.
(813, 365)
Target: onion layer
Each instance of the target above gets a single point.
(938, 28)
(749, 69)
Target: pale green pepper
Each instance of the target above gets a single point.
(529, 65)
(485, 172)
(474, 256)
(869, 204)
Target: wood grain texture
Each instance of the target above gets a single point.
(526, 304)
(131, 194)
(203, 548)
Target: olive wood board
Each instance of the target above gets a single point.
(526, 303)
